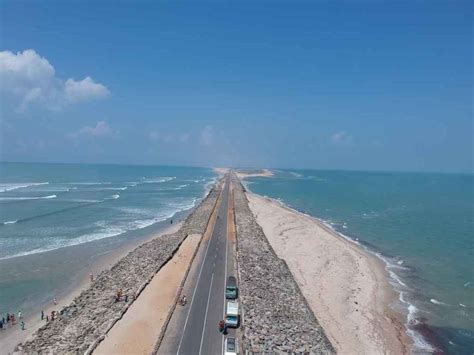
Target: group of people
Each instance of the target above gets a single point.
(119, 296)
(10, 320)
(50, 317)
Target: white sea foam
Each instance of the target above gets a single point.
(10, 222)
(80, 200)
(370, 215)
(296, 174)
(175, 188)
(463, 305)
(7, 186)
(158, 180)
(110, 188)
(195, 180)
(435, 301)
(12, 198)
(87, 183)
(114, 197)
(108, 229)
(399, 286)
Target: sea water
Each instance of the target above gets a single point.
(57, 219)
(421, 225)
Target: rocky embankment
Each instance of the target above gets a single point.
(82, 324)
(276, 317)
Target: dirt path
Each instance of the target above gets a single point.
(138, 330)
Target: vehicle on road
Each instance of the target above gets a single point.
(232, 314)
(231, 290)
(230, 346)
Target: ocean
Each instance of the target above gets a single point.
(421, 225)
(56, 220)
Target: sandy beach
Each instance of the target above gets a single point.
(246, 173)
(13, 336)
(138, 330)
(347, 288)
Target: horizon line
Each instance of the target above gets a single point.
(249, 167)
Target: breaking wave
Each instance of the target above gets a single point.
(158, 180)
(108, 229)
(13, 198)
(4, 187)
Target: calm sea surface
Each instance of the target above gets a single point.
(56, 219)
(422, 225)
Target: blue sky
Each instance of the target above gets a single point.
(328, 85)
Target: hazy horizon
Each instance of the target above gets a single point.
(274, 168)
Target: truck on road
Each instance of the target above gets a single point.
(232, 314)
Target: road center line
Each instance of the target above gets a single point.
(225, 267)
(195, 288)
(205, 317)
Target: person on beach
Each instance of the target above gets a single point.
(1, 324)
(118, 296)
(42, 314)
(22, 325)
(19, 315)
(55, 301)
(47, 319)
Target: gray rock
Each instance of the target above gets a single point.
(275, 317)
(90, 316)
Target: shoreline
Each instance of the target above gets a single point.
(10, 338)
(88, 318)
(277, 316)
(389, 320)
(246, 173)
(80, 280)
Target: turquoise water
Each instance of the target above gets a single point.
(57, 219)
(420, 224)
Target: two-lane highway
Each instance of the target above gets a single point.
(193, 329)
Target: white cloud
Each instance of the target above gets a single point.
(182, 138)
(155, 136)
(30, 79)
(101, 129)
(84, 90)
(341, 138)
(206, 137)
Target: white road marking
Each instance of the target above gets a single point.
(195, 289)
(225, 272)
(205, 317)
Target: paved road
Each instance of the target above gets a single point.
(194, 328)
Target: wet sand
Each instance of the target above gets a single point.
(12, 336)
(347, 288)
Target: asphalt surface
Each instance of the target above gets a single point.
(193, 329)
